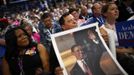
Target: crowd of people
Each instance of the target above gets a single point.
(25, 37)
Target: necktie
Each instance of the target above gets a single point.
(86, 68)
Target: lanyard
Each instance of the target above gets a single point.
(20, 63)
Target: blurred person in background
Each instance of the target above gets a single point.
(96, 15)
(75, 13)
(47, 26)
(125, 7)
(34, 35)
(3, 24)
(84, 13)
(111, 13)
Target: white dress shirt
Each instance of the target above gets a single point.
(80, 63)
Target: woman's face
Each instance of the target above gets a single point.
(22, 38)
(112, 12)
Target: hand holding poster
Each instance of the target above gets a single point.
(84, 45)
(125, 33)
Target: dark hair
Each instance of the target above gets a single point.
(72, 10)
(46, 15)
(24, 24)
(61, 20)
(3, 24)
(72, 48)
(11, 42)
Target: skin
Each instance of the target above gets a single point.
(48, 22)
(22, 41)
(28, 28)
(91, 36)
(84, 10)
(97, 9)
(111, 15)
(2, 42)
(69, 23)
(78, 53)
(22, 38)
(76, 15)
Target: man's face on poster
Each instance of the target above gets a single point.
(78, 53)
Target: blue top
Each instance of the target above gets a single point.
(46, 32)
(93, 19)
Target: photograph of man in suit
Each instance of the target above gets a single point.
(93, 48)
(81, 67)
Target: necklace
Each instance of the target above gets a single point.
(20, 63)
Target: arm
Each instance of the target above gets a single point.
(123, 50)
(104, 35)
(5, 67)
(45, 60)
(58, 71)
(2, 42)
(44, 57)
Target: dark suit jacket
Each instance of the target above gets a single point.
(92, 51)
(93, 56)
(77, 70)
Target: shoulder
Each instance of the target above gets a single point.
(75, 70)
(107, 29)
(75, 67)
(40, 47)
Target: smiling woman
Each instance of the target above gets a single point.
(23, 56)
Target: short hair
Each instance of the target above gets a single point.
(72, 48)
(72, 10)
(45, 15)
(61, 20)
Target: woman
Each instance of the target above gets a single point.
(111, 13)
(23, 57)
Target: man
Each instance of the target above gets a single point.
(93, 48)
(81, 66)
(67, 21)
(47, 27)
(84, 13)
(96, 16)
(75, 12)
